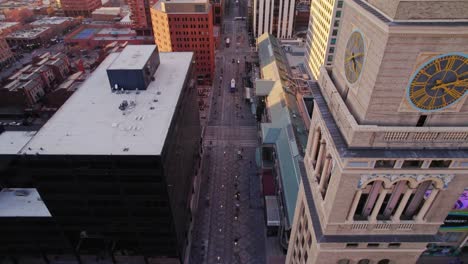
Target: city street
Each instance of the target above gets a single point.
(229, 224)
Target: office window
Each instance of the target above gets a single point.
(340, 4)
(394, 245)
(373, 245)
(338, 13)
(335, 32)
(333, 41)
(352, 245)
(330, 58)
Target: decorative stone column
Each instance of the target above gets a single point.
(319, 158)
(420, 216)
(396, 217)
(325, 172)
(315, 143)
(354, 205)
(378, 205)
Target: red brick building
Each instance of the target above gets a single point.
(218, 11)
(186, 26)
(6, 56)
(141, 16)
(31, 83)
(80, 7)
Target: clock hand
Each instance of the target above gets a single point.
(444, 85)
(354, 56)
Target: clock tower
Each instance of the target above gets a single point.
(396, 47)
(387, 154)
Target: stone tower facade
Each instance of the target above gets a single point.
(387, 154)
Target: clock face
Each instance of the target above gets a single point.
(439, 83)
(354, 57)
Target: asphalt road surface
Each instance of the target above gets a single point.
(229, 224)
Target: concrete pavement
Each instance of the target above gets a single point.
(229, 224)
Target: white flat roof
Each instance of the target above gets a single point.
(271, 205)
(5, 25)
(90, 122)
(107, 11)
(133, 57)
(51, 21)
(11, 142)
(22, 202)
(28, 33)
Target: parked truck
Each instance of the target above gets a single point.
(233, 85)
(228, 42)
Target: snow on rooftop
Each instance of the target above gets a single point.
(133, 57)
(11, 142)
(22, 202)
(91, 123)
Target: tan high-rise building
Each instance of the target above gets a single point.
(186, 25)
(387, 154)
(324, 23)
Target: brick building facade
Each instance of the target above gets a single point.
(80, 7)
(141, 16)
(187, 26)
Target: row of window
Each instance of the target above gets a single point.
(192, 39)
(193, 46)
(364, 261)
(190, 26)
(412, 164)
(191, 19)
(373, 245)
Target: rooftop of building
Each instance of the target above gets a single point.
(182, 6)
(51, 21)
(104, 32)
(22, 202)
(112, 11)
(73, 81)
(24, 82)
(115, 31)
(133, 57)
(5, 25)
(28, 33)
(286, 129)
(90, 122)
(11, 142)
